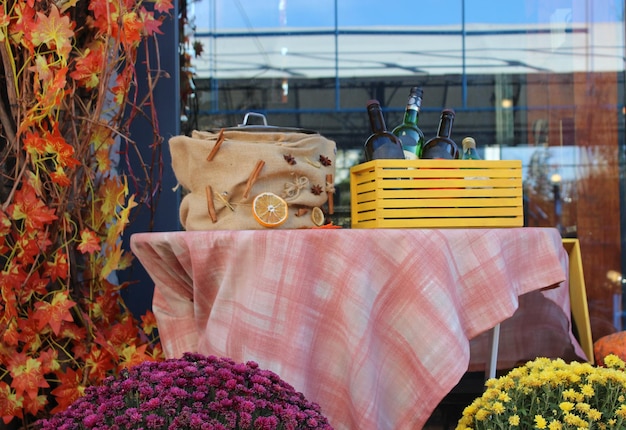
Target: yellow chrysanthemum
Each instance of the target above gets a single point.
(540, 422)
(587, 390)
(514, 420)
(555, 425)
(566, 406)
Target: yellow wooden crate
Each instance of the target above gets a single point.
(436, 194)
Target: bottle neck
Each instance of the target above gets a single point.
(445, 126)
(412, 112)
(377, 121)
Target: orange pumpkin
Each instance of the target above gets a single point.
(610, 344)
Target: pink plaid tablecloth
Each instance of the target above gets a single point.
(374, 325)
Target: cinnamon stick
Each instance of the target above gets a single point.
(216, 147)
(210, 204)
(330, 187)
(253, 177)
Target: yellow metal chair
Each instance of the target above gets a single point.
(578, 297)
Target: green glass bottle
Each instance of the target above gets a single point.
(469, 149)
(442, 146)
(410, 135)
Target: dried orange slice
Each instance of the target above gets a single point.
(317, 216)
(269, 210)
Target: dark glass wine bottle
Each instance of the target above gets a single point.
(410, 135)
(381, 143)
(442, 145)
(469, 149)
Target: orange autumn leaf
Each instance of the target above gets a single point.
(98, 363)
(88, 67)
(55, 312)
(123, 217)
(148, 322)
(69, 389)
(60, 178)
(55, 31)
(113, 258)
(27, 373)
(131, 29)
(132, 355)
(111, 193)
(89, 242)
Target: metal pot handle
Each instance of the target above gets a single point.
(255, 114)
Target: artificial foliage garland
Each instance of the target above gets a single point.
(65, 114)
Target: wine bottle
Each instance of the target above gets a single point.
(469, 149)
(442, 145)
(410, 135)
(381, 143)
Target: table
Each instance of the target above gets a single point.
(374, 325)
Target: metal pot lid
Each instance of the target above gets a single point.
(264, 128)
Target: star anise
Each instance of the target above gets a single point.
(325, 161)
(289, 159)
(317, 189)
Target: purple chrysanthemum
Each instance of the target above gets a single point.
(196, 392)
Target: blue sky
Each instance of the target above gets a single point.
(259, 14)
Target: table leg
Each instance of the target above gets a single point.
(493, 359)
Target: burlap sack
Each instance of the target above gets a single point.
(298, 166)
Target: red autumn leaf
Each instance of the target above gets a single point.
(55, 312)
(10, 403)
(58, 268)
(25, 13)
(29, 208)
(35, 405)
(54, 30)
(30, 245)
(89, 242)
(163, 5)
(27, 373)
(11, 336)
(28, 331)
(69, 389)
(150, 24)
(50, 360)
(34, 285)
(106, 14)
(70, 330)
(123, 333)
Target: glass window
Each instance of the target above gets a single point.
(539, 80)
